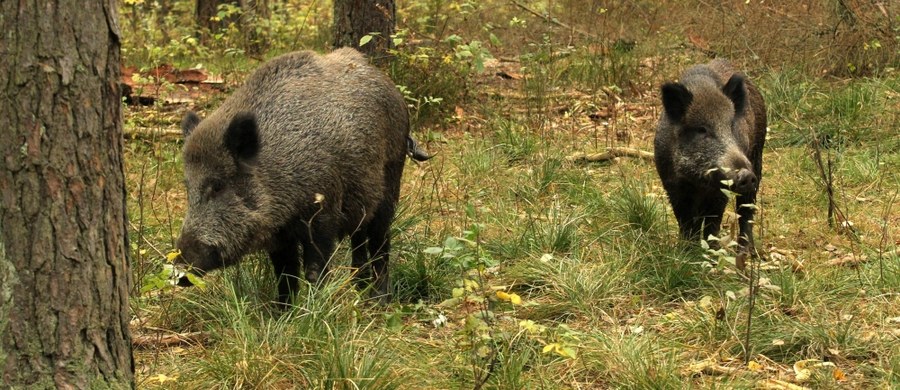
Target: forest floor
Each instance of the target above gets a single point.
(518, 264)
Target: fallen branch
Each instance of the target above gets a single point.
(168, 340)
(610, 154)
(552, 20)
(148, 132)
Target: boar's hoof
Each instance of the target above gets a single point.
(312, 276)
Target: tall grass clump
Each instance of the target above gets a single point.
(319, 342)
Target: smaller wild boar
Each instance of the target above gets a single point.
(711, 131)
(309, 150)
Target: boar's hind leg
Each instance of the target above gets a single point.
(380, 247)
(360, 256)
(286, 262)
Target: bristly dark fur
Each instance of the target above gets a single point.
(713, 129)
(309, 150)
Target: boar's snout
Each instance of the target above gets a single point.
(197, 256)
(744, 181)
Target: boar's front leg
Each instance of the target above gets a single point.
(286, 262)
(685, 213)
(745, 216)
(318, 246)
(710, 216)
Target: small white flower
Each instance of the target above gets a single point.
(174, 273)
(440, 321)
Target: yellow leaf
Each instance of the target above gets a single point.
(839, 375)
(515, 299)
(754, 366)
(171, 256)
(531, 327)
(162, 378)
(566, 352)
(550, 347)
(803, 369)
(775, 384)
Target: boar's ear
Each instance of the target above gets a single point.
(676, 99)
(242, 137)
(190, 121)
(735, 91)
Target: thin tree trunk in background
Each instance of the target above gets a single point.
(354, 19)
(165, 7)
(64, 272)
(205, 11)
(253, 12)
(248, 21)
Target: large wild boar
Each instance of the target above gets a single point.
(308, 151)
(711, 134)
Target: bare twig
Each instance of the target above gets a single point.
(610, 154)
(552, 20)
(168, 340)
(754, 286)
(146, 132)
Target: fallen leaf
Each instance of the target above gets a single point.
(804, 369)
(754, 366)
(162, 378)
(775, 384)
(838, 375)
(511, 298)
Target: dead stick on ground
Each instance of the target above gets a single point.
(610, 154)
(146, 133)
(167, 340)
(552, 20)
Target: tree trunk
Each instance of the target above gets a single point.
(354, 19)
(251, 12)
(206, 10)
(64, 273)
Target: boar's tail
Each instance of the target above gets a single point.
(415, 153)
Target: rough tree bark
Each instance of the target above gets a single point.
(64, 273)
(354, 19)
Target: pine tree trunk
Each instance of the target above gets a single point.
(64, 273)
(354, 19)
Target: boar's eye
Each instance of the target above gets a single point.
(212, 189)
(700, 130)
